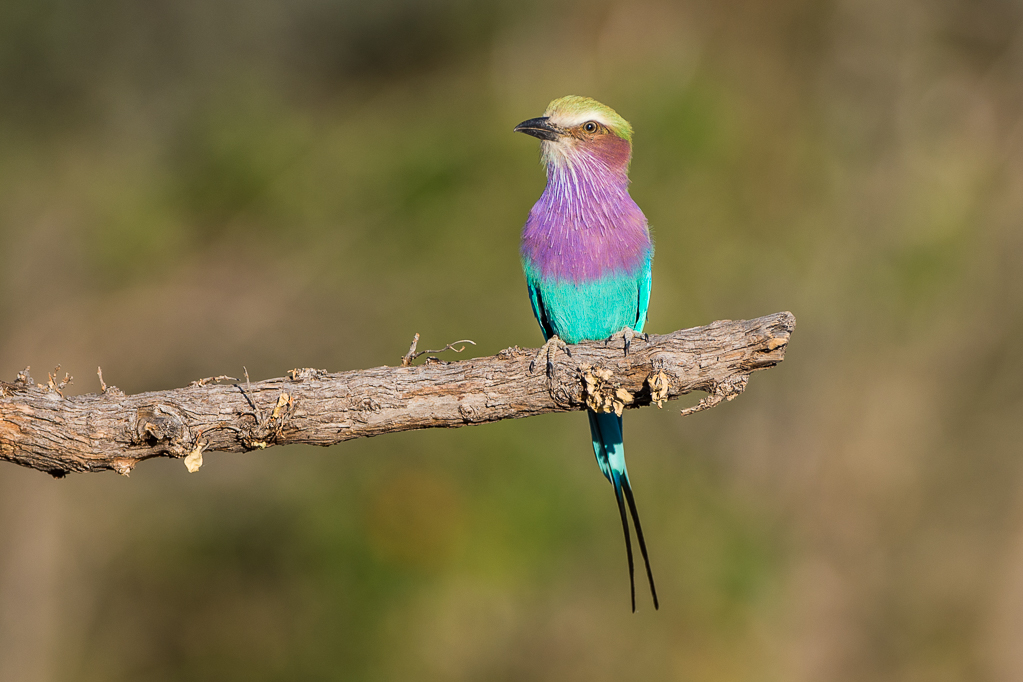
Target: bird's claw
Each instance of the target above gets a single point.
(627, 335)
(549, 351)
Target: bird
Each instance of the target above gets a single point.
(586, 255)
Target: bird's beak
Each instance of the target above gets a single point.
(539, 127)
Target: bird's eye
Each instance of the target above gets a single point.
(590, 127)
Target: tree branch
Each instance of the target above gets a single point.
(41, 429)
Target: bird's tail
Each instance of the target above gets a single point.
(609, 447)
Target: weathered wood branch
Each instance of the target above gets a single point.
(41, 429)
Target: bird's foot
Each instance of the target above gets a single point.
(626, 335)
(548, 352)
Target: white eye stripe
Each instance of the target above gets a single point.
(574, 119)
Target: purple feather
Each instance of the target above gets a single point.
(585, 226)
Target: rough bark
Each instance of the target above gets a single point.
(41, 429)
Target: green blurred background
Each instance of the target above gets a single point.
(190, 186)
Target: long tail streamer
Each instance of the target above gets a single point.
(608, 446)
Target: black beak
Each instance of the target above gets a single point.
(539, 127)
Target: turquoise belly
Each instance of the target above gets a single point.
(587, 311)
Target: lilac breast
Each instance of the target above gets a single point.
(585, 225)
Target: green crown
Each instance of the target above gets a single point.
(574, 105)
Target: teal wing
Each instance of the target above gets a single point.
(539, 310)
(645, 278)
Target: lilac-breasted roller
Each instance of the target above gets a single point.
(586, 254)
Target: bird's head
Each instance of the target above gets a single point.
(575, 128)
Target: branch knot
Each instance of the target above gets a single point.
(162, 424)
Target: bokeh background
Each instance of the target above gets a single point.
(188, 187)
